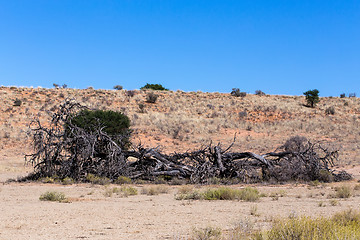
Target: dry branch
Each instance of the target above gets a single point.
(76, 153)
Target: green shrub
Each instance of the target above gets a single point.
(97, 180)
(47, 180)
(123, 180)
(67, 181)
(53, 196)
(154, 87)
(115, 124)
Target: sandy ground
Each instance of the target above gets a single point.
(89, 214)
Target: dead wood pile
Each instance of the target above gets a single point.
(75, 155)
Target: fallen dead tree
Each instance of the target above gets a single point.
(76, 155)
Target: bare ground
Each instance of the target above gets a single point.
(89, 214)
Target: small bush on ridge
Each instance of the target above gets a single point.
(154, 87)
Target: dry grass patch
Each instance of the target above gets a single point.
(222, 193)
(53, 196)
(155, 190)
(124, 191)
(343, 191)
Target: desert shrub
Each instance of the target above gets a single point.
(130, 93)
(52, 196)
(155, 190)
(141, 108)
(237, 93)
(330, 111)
(67, 181)
(295, 144)
(342, 192)
(123, 180)
(154, 87)
(118, 87)
(259, 93)
(17, 102)
(91, 178)
(222, 193)
(312, 97)
(185, 189)
(115, 124)
(342, 95)
(325, 176)
(151, 97)
(47, 180)
(243, 114)
(208, 233)
(124, 191)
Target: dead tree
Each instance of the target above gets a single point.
(65, 150)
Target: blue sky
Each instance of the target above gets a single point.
(279, 47)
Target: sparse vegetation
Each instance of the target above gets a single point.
(91, 178)
(306, 228)
(222, 193)
(151, 97)
(343, 191)
(208, 233)
(118, 87)
(53, 196)
(123, 180)
(155, 190)
(237, 93)
(124, 191)
(259, 93)
(330, 111)
(17, 102)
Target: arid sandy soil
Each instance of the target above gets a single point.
(178, 121)
(90, 214)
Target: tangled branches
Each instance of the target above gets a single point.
(65, 150)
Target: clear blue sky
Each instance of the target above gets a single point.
(279, 47)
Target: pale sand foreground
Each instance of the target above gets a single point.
(91, 215)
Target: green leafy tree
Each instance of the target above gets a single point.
(115, 124)
(312, 97)
(154, 87)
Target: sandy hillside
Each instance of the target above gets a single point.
(178, 121)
